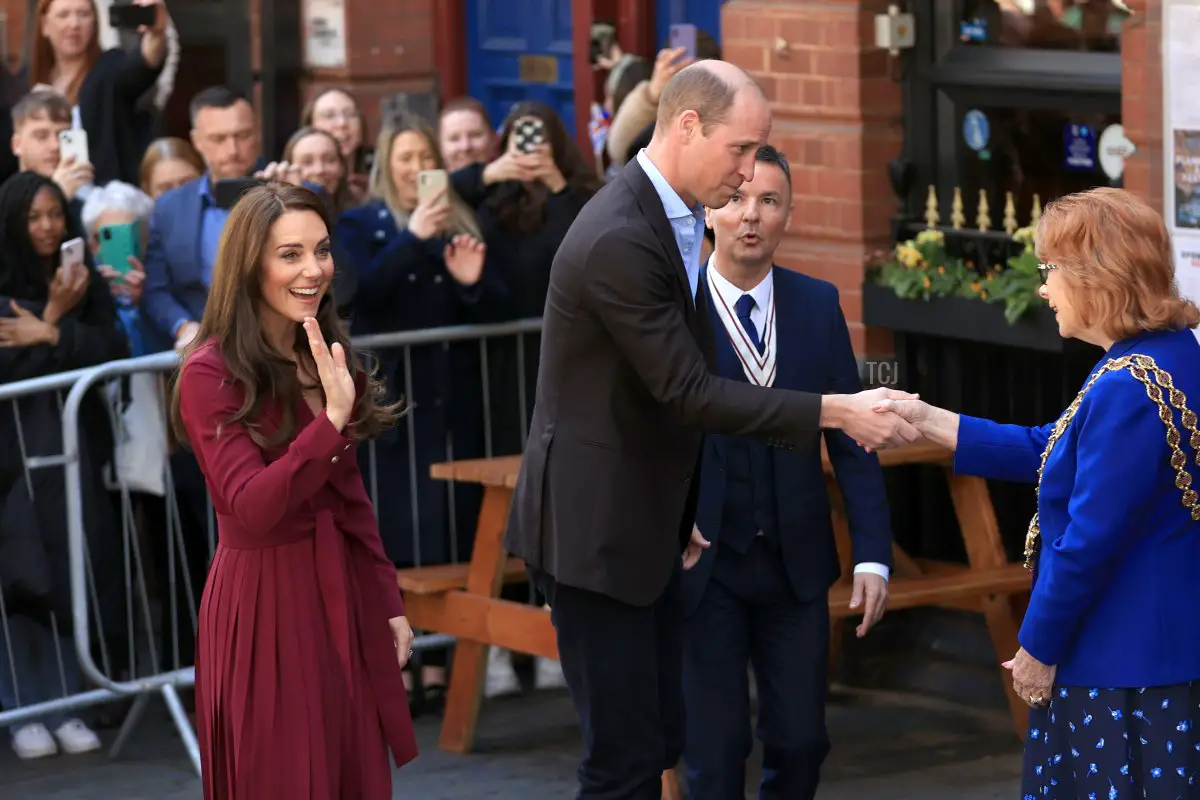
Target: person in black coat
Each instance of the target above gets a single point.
(523, 223)
(51, 320)
(106, 87)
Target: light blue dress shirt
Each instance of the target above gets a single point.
(687, 223)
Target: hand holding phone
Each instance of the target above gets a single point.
(433, 183)
(131, 17)
(73, 143)
(683, 36)
(527, 134)
(71, 255)
(119, 244)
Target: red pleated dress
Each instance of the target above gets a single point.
(299, 694)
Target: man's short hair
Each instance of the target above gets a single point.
(41, 103)
(213, 97)
(700, 90)
(766, 154)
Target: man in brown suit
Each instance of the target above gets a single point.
(606, 498)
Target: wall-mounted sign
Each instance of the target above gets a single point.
(538, 69)
(324, 33)
(977, 131)
(1079, 147)
(1114, 149)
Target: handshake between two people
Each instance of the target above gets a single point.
(876, 419)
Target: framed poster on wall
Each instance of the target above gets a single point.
(1181, 139)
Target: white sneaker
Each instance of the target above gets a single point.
(501, 677)
(75, 737)
(33, 741)
(548, 674)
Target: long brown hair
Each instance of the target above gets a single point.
(231, 319)
(42, 61)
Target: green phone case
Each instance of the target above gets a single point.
(118, 243)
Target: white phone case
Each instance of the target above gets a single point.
(73, 142)
(72, 254)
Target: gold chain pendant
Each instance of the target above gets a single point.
(1147, 371)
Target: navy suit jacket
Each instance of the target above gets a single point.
(814, 355)
(175, 286)
(1118, 575)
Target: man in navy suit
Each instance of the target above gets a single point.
(762, 555)
(186, 226)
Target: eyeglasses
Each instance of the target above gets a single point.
(1045, 269)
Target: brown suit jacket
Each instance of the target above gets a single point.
(605, 499)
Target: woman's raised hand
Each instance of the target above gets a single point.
(336, 380)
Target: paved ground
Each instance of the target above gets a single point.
(885, 748)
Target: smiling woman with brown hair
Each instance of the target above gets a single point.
(1110, 646)
(302, 633)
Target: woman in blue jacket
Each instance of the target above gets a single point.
(1110, 645)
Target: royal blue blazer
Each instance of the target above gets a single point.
(1117, 578)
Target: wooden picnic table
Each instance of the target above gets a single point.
(463, 600)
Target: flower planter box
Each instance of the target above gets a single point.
(961, 318)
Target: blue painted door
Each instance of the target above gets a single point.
(499, 32)
(704, 14)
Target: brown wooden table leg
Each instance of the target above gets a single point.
(985, 550)
(485, 577)
(670, 786)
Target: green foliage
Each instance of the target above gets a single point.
(921, 269)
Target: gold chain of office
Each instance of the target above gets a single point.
(1145, 370)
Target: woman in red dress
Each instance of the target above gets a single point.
(302, 633)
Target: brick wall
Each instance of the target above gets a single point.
(389, 49)
(836, 113)
(837, 118)
(1141, 99)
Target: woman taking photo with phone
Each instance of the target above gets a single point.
(420, 264)
(53, 318)
(302, 633)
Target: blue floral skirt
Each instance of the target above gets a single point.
(1114, 744)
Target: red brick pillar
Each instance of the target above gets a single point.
(837, 118)
(389, 49)
(1142, 99)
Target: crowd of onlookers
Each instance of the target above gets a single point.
(518, 199)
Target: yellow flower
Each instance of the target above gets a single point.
(907, 255)
(931, 237)
(927, 282)
(975, 287)
(983, 295)
(941, 270)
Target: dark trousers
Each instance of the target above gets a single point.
(749, 615)
(623, 666)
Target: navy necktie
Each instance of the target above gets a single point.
(744, 305)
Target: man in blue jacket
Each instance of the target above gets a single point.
(763, 555)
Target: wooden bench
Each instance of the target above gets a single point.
(448, 577)
(469, 607)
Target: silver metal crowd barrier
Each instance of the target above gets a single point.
(142, 658)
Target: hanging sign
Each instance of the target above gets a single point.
(1114, 149)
